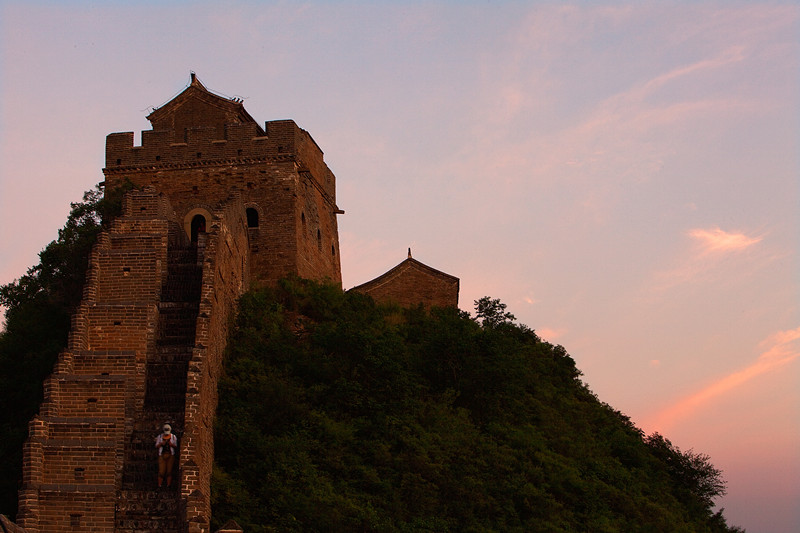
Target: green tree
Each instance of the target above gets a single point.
(492, 312)
(696, 481)
(338, 414)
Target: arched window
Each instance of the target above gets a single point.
(252, 217)
(198, 226)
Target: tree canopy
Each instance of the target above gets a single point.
(337, 414)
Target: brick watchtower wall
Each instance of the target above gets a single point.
(224, 254)
(203, 147)
(73, 458)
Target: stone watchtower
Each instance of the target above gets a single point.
(203, 147)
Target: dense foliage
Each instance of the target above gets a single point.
(337, 414)
(38, 308)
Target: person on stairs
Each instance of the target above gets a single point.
(167, 446)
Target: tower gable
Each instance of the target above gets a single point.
(412, 283)
(197, 107)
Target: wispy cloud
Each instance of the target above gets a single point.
(718, 240)
(713, 245)
(551, 334)
(730, 55)
(780, 349)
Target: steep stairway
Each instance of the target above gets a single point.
(141, 506)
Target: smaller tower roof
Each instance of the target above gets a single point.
(411, 283)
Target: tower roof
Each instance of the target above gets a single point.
(197, 107)
(412, 282)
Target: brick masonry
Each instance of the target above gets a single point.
(221, 203)
(413, 283)
(73, 458)
(202, 147)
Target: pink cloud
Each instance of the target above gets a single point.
(712, 245)
(718, 240)
(731, 55)
(550, 334)
(778, 350)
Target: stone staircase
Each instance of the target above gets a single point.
(141, 507)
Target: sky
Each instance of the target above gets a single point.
(623, 175)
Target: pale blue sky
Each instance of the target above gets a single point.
(623, 175)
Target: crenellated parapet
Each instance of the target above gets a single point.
(204, 146)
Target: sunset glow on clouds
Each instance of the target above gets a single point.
(779, 350)
(703, 263)
(622, 175)
(550, 335)
(717, 240)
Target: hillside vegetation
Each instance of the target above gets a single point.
(340, 415)
(337, 414)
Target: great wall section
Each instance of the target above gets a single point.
(145, 347)
(219, 204)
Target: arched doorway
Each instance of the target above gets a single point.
(252, 217)
(198, 226)
(196, 221)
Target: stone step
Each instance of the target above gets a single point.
(140, 507)
(186, 272)
(172, 340)
(185, 328)
(178, 315)
(181, 256)
(183, 280)
(176, 400)
(190, 305)
(143, 475)
(172, 357)
(171, 322)
(185, 283)
(182, 264)
(138, 501)
(165, 387)
(153, 417)
(167, 369)
(178, 296)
